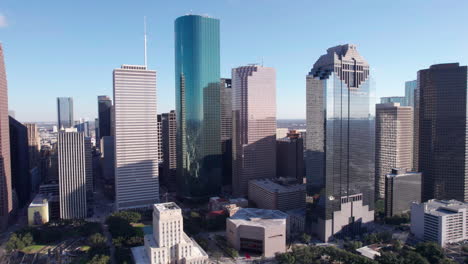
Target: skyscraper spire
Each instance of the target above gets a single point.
(144, 23)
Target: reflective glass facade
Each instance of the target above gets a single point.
(197, 76)
(65, 112)
(393, 99)
(340, 137)
(410, 86)
(442, 131)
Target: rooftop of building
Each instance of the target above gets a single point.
(279, 185)
(444, 207)
(139, 255)
(401, 172)
(258, 217)
(391, 106)
(166, 206)
(39, 201)
(301, 212)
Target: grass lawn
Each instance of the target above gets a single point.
(33, 249)
(138, 225)
(85, 248)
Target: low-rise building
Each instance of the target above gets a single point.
(38, 211)
(258, 230)
(277, 194)
(401, 189)
(442, 221)
(168, 243)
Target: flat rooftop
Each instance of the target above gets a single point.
(166, 206)
(277, 186)
(139, 255)
(258, 217)
(39, 201)
(444, 207)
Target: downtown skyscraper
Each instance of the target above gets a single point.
(442, 131)
(393, 142)
(340, 143)
(65, 112)
(136, 138)
(72, 163)
(6, 203)
(104, 117)
(254, 125)
(197, 78)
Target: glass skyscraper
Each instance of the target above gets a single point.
(197, 75)
(442, 131)
(410, 86)
(65, 112)
(340, 143)
(394, 99)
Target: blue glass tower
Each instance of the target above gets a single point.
(197, 75)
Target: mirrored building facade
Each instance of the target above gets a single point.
(197, 77)
(340, 143)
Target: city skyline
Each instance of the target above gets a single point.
(120, 40)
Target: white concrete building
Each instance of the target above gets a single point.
(259, 230)
(72, 174)
(136, 137)
(441, 221)
(169, 243)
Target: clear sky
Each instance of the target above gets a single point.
(69, 48)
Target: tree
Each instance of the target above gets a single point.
(305, 238)
(217, 256)
(100, 259)
(389, 258)
(19, 241)
(97, 240)
(129, 216)
(412, 257)
(352, 245)
(431, 251)
(285, 258)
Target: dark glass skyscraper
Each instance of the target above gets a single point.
(197, 75)
(19, 152)
(65, 112)
(104, 112)
(443, 156)
(340, 142)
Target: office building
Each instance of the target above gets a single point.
(38, 211)
(160, 151)
(169, 130)
(226, 129)
(393, 142)
(72, 174)
(393, 99)
(254, 125)
(278, 194)
(65, 112)
(104, 117)
(34, 144)
(19, 154)
(6, 203)
(198, 111)
(89, 165)
(443, 155)
(258, 230)
(401, 189)
(290, 156)
(340, 143)
(282, 132)
(416, 131)
(410, 87)
(169, 243)
(83, 127)
(136, 141)
(442, 221)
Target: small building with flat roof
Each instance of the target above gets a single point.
(277, 194)
(38, 211)
(258, 230)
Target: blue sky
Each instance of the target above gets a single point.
(69, 48)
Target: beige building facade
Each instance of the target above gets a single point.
(258, 230)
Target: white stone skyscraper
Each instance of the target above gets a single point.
(254, 125)
(72, 174)
(136, 137)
